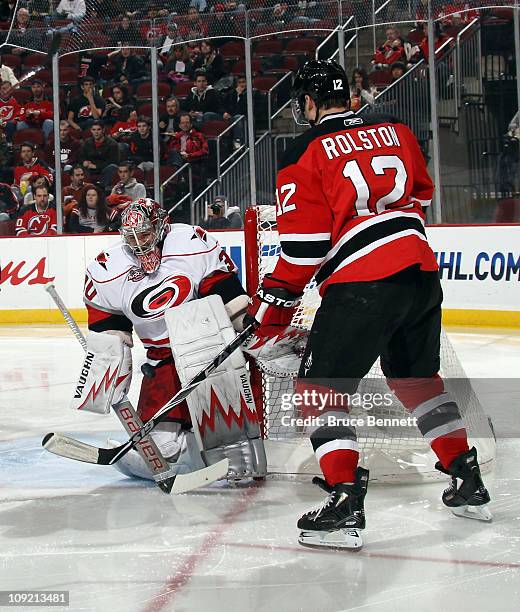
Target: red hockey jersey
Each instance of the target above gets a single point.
(34, 223)
(10, 110)
(350, 193)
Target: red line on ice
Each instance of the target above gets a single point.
(187, 568)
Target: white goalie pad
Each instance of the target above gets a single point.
(222, 407)
(105, 375)
(278, 355)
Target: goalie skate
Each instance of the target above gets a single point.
(470, 498)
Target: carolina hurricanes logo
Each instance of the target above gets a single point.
(38, 225)
(153, 301)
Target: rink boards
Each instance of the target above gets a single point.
(479, 267)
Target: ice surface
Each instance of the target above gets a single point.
(122, 545)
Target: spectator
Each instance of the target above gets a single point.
(179, 67)
(127, 65)
(232, 213)
(235, 106)
(72, 193)
(87, 108)
(397, 69)
(38, 111)
(127, 124)
(40, 218)
(30, 166)
(222, 28)
(127, 189)
(194, 28)
(6, 72)
(35, 181)
(361, 92)
(91, 215)
(90, 63)
(439, 39)
(187, 145)
(166, 45)
(203, 102)
(69, 147)
(152, 29)
(126, 34)
(10, 110)
(100, 154)
(119, 97)
(8, 203)
(211, 62)
(71, 9)
(392, 50)
(141, 145)
(169, 122)
(22, 35)
(216, 220)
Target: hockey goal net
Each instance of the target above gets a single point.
(392, 453)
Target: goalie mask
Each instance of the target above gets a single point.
(143, 228)
(322, 80)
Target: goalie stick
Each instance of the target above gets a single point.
(75, 449)
(126, 413)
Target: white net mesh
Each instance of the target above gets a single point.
(391, 453)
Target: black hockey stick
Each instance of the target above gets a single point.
(74, 449)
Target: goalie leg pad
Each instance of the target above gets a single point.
(105, 375)
(222, 407)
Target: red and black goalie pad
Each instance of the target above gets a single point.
(272, 307)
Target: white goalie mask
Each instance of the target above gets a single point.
(143, 228)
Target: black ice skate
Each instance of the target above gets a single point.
(338, 521)
(470, 498)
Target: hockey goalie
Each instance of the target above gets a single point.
(177, 289)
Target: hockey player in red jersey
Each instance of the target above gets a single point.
(156, 268)
(350, 197)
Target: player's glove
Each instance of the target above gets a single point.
(271, 308)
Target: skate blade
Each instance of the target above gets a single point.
(349, 539)
(478, 513)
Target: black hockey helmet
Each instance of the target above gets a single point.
(322, 80)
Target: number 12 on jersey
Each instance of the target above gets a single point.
(379, 165)
(283, 197)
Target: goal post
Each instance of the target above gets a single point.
(392, 453)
